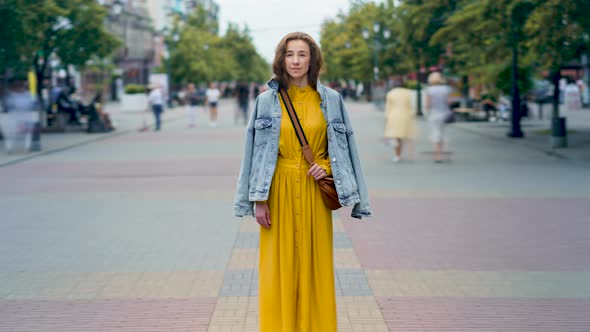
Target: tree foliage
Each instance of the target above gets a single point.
(201, 55)
(471, 37)
(73, 28)
(348, 55)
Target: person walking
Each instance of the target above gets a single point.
(191, 103)
(156, 101)
(437, 107)
(573, 98)
(279, 188)
(243, 99)
(212, 95)
(21, 113)
(399, 118)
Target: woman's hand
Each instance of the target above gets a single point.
(317, 172)
(263, 214)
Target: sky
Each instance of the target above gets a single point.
(271, 20)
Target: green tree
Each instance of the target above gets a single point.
(12, 34)
(88, 37)
(200, 55)
(72, 28)
(347, 54)
(418, 21)
(557, 33)
(247, 63)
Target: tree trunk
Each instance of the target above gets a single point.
(556, 76)
(68, 76)
(40, 73)
(418, 92)
(465, 91)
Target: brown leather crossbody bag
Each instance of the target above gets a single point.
(327, 185)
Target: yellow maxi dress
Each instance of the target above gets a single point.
(296, 276)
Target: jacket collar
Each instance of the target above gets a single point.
(322, 90)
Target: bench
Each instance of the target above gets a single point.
(465, 113)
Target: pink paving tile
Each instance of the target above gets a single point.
(124, 168)
(474, 234)
(195, 135)
(474, 314)
(152, 184)
(107, 315)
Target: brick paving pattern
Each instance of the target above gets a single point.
(135, 233)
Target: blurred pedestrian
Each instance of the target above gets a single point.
(488, 101)
(21, 113)
(296, 275)
(66, 104)
(98, 119)
(191, 100)
(399, 118)
(379, 92)
(437, 107)
(573, 97)
(256, 90)
(243, 99)
(156, 101)
(213, 95)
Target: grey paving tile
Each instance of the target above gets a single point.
(341, 240)
(352, 282)
(247, 240)
(239, 283)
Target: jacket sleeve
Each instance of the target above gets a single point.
(242, 205)
(363, 208)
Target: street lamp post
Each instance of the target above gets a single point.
(517, 16)
(175, 38)
(376, 28)
(117, 10)
(515, 130)
(377, 46)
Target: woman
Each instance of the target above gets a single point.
(296, 280)
(437, 106)
(156, 101)
(399, 118)
(212, 99)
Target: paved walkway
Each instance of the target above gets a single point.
(135, 232)
(54, 142)
(537, 133)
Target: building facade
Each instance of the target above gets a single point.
(134, 26)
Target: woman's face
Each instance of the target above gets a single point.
(297, 59)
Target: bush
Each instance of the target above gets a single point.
(135, 89)
(411, 84)
(525, 81)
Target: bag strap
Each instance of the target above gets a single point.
(307, 153)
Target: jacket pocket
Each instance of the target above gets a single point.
(262, 129)
(341, 137)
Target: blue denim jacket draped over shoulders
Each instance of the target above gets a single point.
(262, 149)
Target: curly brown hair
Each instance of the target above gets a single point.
(315, 64)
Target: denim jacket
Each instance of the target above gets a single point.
(262, 150)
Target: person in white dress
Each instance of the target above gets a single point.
(573, 98)
(213, 95)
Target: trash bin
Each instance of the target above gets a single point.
(558, 133)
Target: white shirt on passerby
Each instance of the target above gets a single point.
(155, 97)
(213, 95)
(439, 96)
(573, 98)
